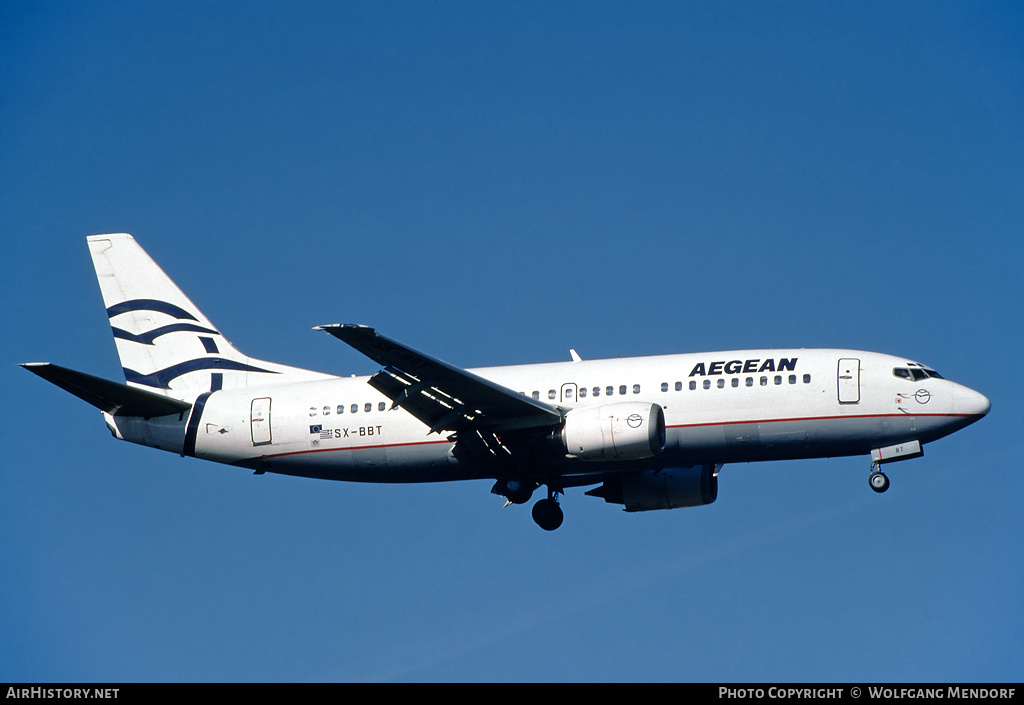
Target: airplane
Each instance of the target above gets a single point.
(650, 432)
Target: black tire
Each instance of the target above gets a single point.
(547, 514)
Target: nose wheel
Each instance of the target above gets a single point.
(878, 480)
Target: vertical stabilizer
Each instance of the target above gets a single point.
(164, 341)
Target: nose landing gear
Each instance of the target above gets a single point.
(877, 479)
(890, 454)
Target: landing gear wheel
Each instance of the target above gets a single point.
(878, 481)
(547, 514)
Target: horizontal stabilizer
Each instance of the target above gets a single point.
(114, 398)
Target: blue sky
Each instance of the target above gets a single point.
(495, 183)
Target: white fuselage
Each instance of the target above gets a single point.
(719, 407)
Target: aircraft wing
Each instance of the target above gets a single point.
(442, 396)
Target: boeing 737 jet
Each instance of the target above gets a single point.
(649, 432)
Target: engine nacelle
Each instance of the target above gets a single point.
(670, 488)
(623, 431)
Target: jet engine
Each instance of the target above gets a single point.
(622, 431)
(670, 488)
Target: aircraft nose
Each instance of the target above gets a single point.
(969, 402)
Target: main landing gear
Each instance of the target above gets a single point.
(877, 479)
(517, 490)
(547, 513)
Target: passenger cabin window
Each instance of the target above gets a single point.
(734, 382)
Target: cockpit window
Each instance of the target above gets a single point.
(915, 374)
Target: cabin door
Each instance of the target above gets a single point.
(259, 421)
(849, 380)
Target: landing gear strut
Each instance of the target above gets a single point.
(878, 481)
(547, 513)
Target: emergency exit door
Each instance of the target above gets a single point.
(849, 380)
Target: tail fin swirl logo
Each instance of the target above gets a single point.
(162, 379)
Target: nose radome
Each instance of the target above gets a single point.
(967, 401)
